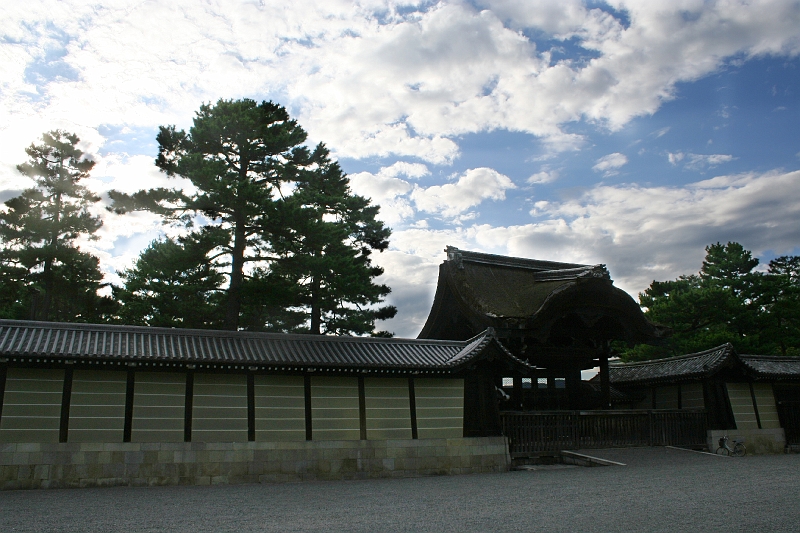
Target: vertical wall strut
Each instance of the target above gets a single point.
(66, 397)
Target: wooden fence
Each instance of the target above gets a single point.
(545, 431)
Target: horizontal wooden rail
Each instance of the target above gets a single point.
(543, 431)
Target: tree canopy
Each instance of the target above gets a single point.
(45, 276)
(727, 301)
(324, 246)
(291, 239)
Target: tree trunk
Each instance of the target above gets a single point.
(316, 311)
(47, 270)
(237, 266)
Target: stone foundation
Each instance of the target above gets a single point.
(757, 441)
(35, 465)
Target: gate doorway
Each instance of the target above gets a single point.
(530, 433)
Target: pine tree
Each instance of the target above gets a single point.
(49, 277)
(238, 154)
(325, 246)
(727, 301)
(173, 284)
(294, 243)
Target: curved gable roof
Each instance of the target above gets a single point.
(496, 291)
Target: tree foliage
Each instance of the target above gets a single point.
(45, 276)
(324, 245)
(727, 301)
(293, 242)
(238, 154)
(173, 284)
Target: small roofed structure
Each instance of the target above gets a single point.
(754, 396)
(560, 318)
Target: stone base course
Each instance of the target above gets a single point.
(35, 465)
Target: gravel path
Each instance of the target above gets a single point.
(660, 489)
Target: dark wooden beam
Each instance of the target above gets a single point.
(755, 404)
(251, 407)
(307, 387)
(187, 412)
(516, 393)
(362, 408)
(66, 397)
(3, 378)
(412, 403)
(605, 382)
(129, 389)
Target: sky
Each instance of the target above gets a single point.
(632, 134)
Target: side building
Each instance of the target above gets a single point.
(753, 397)
(84, 405)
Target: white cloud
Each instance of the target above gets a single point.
(608, 164)
(472, 188)
(544, 176)
(641, 233)
(699, 161)
(403, 83)
(661, 132)
(401, 168)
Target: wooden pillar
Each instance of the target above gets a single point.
(412, 404)
(66, 397)
(362, 408)
(3, 377)
(307, 393)
(251, 407)
(129, 390)
(755, 405)
(605, 382)
(188, 404)
(573, 385)
(516, 393)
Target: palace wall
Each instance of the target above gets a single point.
(84, 464)
(87, 427)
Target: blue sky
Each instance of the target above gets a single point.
(626, 133)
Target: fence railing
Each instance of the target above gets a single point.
(543, 431)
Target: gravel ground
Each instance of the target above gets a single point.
(659, 489)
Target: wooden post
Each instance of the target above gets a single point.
(516, 394)
(362, 408)
(3, 378)
(755, 404)
(412, 404)
(605, 383)
(251, 407)
(66, 396)
(573, 385)
(129, 388)
(188, 404)
(307, 389)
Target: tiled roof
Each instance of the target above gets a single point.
(535, 268)
(698, 365)
(773, 366)
(477, 290)
(681, 367)
(143, 344)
